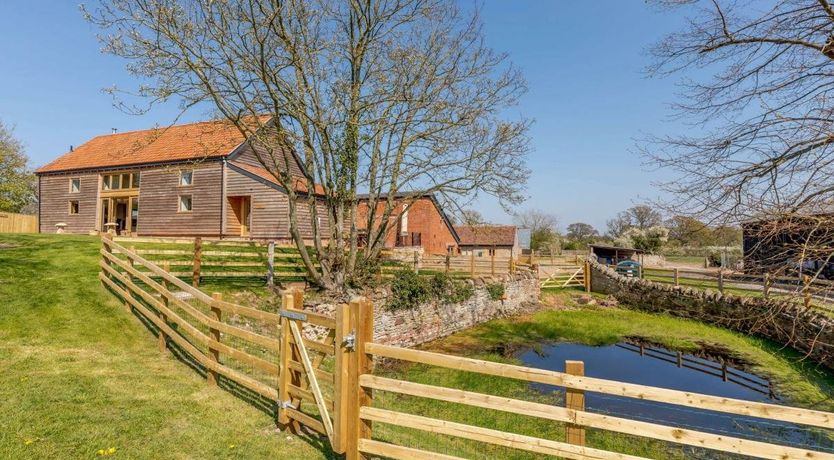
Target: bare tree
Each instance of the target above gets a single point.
(542, 226)
(641, 217)
(762, 113)
(757, 90)
(381, 96)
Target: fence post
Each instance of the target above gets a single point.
(106, 247)
(472, 263)
(806, 290)
(214, 353)
(284, 364)
(132, 249)
(492, 262)
(587, 276)
(362, 322)
(270, 264)
(163, 338)
(512, 265)
(341, 397)
(766, 286)
(198, 256)
(720, 280)
(677, 277)
(575, 400)
(448, 261)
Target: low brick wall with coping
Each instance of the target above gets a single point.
(806, 330)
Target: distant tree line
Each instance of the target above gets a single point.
(641, 226)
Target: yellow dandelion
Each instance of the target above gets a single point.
(111, 450)
(28, 441)
(232, 446)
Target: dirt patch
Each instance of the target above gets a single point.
(7, 246)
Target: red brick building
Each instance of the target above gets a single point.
(417, 221)
(486, 240)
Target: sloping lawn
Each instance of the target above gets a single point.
(81, 377)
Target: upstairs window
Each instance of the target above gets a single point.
(75, 185)
(186, 178)
(184, 203)
(120, 181)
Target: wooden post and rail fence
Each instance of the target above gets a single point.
(323, 377)
(767, 285)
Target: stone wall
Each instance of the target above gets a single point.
(807, 331)
(431, 321)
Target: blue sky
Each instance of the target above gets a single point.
(583, 62)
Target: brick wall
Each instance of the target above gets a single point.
(423, 218)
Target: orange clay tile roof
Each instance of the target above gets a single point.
(194, 141)
(263, 173)
(486, 235)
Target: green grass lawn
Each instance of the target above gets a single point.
(80, 374)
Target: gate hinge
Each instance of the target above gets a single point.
(350, 341)
(285, 405)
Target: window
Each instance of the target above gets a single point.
(186, 178)
(120, 181)
(75, 185)
(73, 207)
(185, 203)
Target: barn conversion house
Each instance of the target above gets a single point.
(198, 179)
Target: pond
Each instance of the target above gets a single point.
(642, 364)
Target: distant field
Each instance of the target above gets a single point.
(80, 376)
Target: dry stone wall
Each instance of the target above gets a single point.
(807, 331)
(433, 320)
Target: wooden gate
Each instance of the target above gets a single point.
(297, 360)
(562, 276)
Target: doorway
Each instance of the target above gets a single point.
(240, 219)
(121, 213)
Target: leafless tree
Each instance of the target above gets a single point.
(757, 87)
(381, 96)
(641, 217)
(542, 226)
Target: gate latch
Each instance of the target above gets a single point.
(350, 341)
(285, 405)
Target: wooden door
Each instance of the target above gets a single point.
(245, 215)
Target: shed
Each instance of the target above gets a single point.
(613, 255)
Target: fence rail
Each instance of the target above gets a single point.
(326, 381)
(574, 415)
(264, 352)
(211, 258)
(18, 223)
(814, 292)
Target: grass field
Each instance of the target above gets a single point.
(80, 377)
